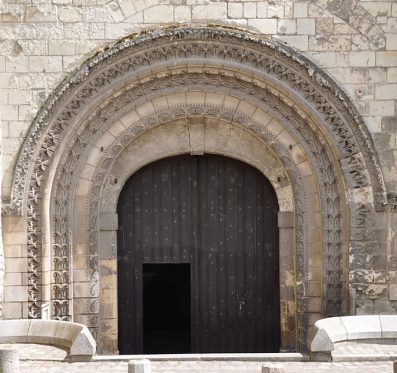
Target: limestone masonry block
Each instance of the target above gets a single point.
(266, 25)
(388, 58)
(393, 291)
(272, 368)
(45, 64)
(69, 14)
(326, 332)
(182, 14)
(250, 10)
(139, 366)
(15, 293)
(300, 42)
(387, 91)
(17, 330)
(306, 26)
(286, 26)
(235, 10)
(159, 13)
(300, 9)
(362, 59)
(83, 347)
(210, 11)
(388, 326)
(362, 326)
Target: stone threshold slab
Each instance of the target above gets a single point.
(363, 357)
(282, 356)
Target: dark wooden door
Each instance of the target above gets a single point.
(219, 215)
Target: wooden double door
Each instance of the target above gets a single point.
(198, 258)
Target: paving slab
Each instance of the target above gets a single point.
(39, 358)
(364, 351)
(206, 367)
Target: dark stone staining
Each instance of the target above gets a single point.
(358, 18)
(389, 124)
(342, 8)
(8, 17)
(382, 140)
(17, 49)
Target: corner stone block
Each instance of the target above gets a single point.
(272, 368)
(388, 324)
(335, 328)
(67, 332)
(362, 327)
(83, 347)
(139, 366)
(321, 341)
(14, 330)
(42, 331)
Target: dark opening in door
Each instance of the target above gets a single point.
(166, 308)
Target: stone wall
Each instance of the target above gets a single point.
(354, 41)
(1, 232)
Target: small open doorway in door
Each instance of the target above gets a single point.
(166, 308)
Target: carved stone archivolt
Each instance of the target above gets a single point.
(205, 59)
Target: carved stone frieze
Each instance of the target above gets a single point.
(110, 112)
(275, 59)
(102, 177)
(325, 173)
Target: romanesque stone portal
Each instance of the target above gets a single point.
(196, 90)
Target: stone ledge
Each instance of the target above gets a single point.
(328, 331)
(75, 337)
(261, 357)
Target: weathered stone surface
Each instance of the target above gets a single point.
(16, 329)
(9, 360)
(326, 332)
(73, 336)
(362, 326)
(388, 325)
(43, 43)
(139, 366)
(272, 368)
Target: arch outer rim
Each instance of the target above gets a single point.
(80, 74)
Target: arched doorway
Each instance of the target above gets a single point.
(195, 89)
(198, 258)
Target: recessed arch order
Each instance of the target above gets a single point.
(194, 89)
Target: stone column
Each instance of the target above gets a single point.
(9, 362)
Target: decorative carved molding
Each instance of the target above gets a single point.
(332, 240)
(161, 50)
(102, 178)
(225, 44)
